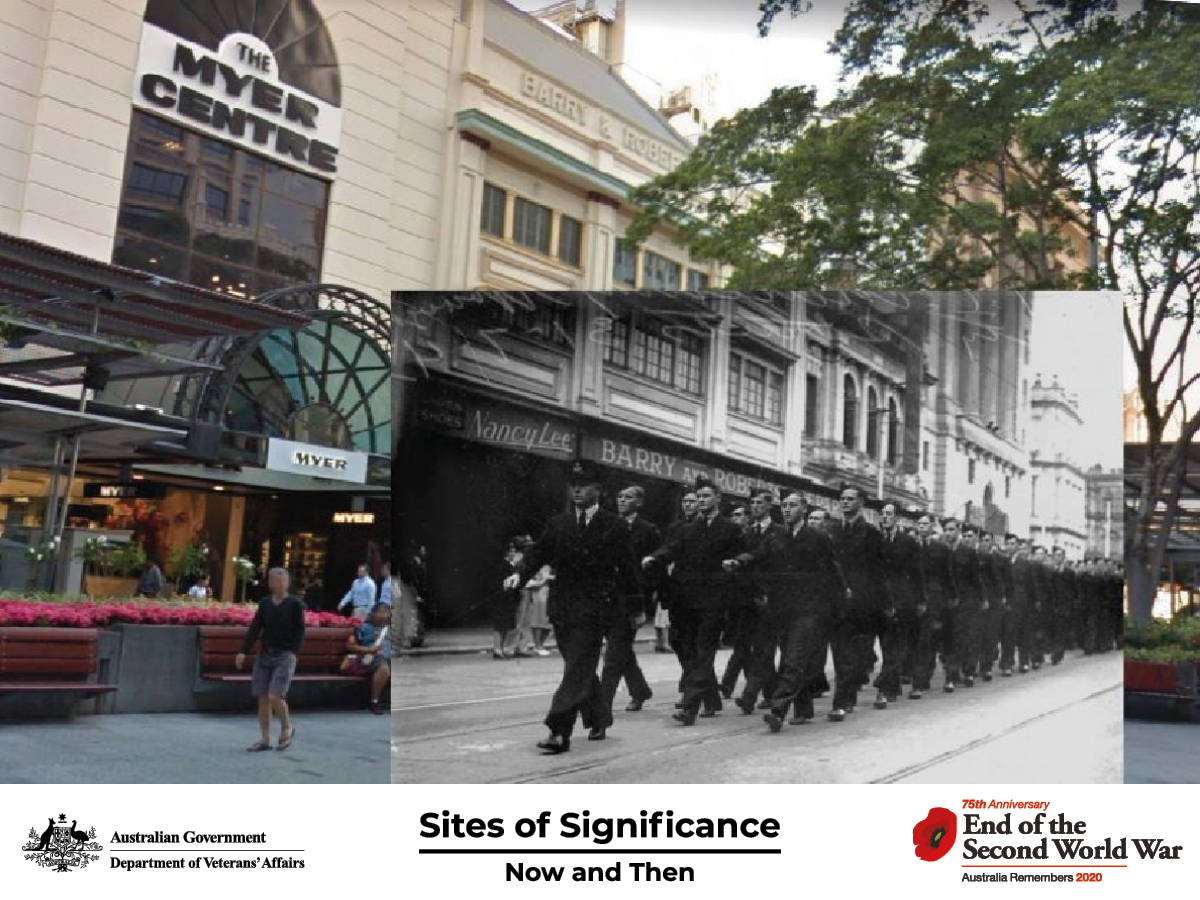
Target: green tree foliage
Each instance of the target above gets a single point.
(963, 145)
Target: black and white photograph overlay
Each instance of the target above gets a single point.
(702, 537)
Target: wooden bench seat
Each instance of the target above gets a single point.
(319, 658)
(50, 660)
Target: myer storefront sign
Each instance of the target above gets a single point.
(317, 462)
(236, 95)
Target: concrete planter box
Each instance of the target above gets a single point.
(110, 587)
(1161, 690)
(157, 668)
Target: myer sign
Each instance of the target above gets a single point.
(235, 94)
(318, 462)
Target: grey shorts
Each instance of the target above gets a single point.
(272, 674)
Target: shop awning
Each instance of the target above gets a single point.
(30, 425)
(61, 313)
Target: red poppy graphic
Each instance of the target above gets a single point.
(935, 834)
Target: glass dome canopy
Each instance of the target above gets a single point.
(328, 384)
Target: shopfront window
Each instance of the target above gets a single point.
(696, 280)
(643, 345)
(203, 211)
(531, 225)
(570, 240)
(659, 273)
(491, 219)
(625, 264)
(755, 389)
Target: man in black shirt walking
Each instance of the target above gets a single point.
(279, 621)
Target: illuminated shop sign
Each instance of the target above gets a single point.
(354, 518)
(236, 95)
(318, 462)
(138, 490)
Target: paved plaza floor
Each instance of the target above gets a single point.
(331, 747)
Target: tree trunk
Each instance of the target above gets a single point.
(1142, 582)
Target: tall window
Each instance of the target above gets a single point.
(625, 264)
(872, 423)
(570, 240)
(659, 273)
(970, 471)
(491, 219)
(893, 432)
(531, 225)
(812, 412)
(667, 355)
(206, 212)
(849, 412)
(696, 280)
(925, 456)
(755, 389)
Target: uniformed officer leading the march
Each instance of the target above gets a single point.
(596, 579)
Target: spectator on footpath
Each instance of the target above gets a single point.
(200, 590)
(152, 582)
(361, 596)
(279, 623)
(506, 600)
(386, 587)
(372, 639)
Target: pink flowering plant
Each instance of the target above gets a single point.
(59, 612)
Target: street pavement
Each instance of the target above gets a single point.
(462, 719)
(1162, 752)
(331, 747)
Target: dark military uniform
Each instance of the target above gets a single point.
(754, 640)
(620, 661)
(858, 549)
(934, 626)
(965, 637)
(1043, 610)
(800, 575)
(991, 610)
(594, 574)
(901, 555)
(1062, 579)
(701, 591)
(1016, 644)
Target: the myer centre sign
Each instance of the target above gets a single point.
(236, 94)
(318, 462)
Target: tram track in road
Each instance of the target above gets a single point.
(977, 743)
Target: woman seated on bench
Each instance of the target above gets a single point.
(372, 642)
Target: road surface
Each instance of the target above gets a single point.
(474, 719)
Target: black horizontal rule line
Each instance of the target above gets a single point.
(663, 850)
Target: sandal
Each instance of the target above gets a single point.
(284, 743)
(259, 746)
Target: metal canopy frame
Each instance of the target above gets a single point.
(89, 323)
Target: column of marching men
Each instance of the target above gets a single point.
(896, 599)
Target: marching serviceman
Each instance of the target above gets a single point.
(620, 661)
(1062, 580)
(701, 591)
(589, 550)
(993, 607)
(797, 568)
(662, 583)
(754, 641)
(901, 557)
(1015, 644)
(858, 545)
(962, 619)
(932, 624)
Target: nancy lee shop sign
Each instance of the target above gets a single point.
(236, 95)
